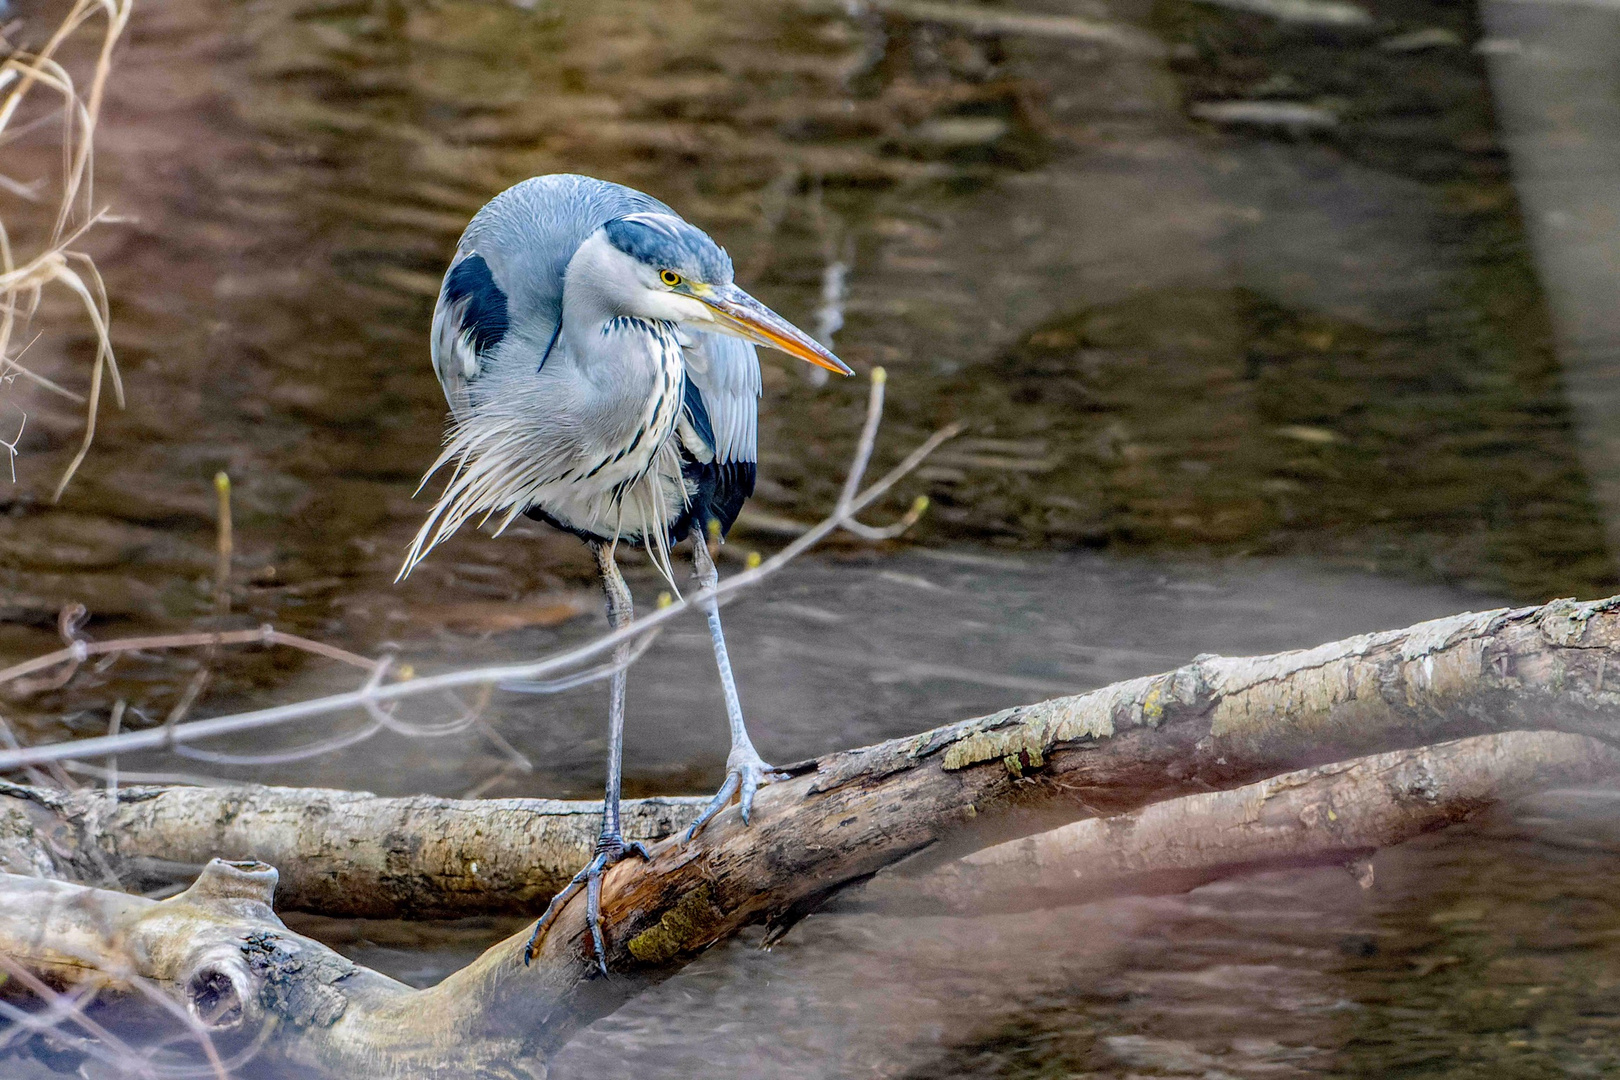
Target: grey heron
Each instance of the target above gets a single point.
(599, 364)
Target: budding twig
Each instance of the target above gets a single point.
(377, 696)
(222, 568)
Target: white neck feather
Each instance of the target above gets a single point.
(603, 283)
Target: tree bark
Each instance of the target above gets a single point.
(1326, 815)
(223, 955)
(346, 853)
(1212, 725)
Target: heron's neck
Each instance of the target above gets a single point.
(597, 288)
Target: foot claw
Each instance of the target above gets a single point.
(610, 849)
(593, 916)
(744, 773)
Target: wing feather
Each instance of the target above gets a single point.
(720, 429)
(725, 371)
(469, 322)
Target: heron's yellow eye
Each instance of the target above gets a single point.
(669, 277)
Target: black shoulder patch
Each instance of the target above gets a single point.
(484, 317)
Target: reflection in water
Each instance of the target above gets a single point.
(1162, 335)
(1552, 74)
(1166, 335)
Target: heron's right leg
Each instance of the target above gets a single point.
(610, 846)
(745, 769)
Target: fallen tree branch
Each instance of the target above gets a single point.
(354, 855)
(346, 853)
(1216, 723)
(1213, 724)
(241, 976)
(1326, 815)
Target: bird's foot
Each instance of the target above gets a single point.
(745, 773)
(610, 849)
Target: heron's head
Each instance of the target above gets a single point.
(665, 268)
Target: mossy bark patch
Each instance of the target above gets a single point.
(1025, 743)
(687, 926)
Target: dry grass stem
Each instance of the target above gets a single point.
(58, 262)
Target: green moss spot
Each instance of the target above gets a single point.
(1027, 759)
(1153, 706)
(686, 926)
(1023, 744)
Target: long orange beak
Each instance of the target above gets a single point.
(738, 313)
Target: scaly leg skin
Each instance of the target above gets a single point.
(745, 770)
(610, 847)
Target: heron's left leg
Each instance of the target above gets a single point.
(745, 770)
(610, 845)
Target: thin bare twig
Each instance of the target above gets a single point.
(224, 545)
(112, 1048)
(8, 738)
(113, 724)
(866, 444)
(107, 1047)
(264, 635)
(374, 697)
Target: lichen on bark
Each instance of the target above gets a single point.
(688, 925)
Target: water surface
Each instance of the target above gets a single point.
(1228, 389)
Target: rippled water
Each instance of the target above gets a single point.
(845, 652)
(1216, 379)
(1163, 333)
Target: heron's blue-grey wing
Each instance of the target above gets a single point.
(507, 276)
(470, 321)
(528, 233)
(721, 428)
(724, 384)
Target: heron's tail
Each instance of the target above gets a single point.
(654, 511)
(496, 470)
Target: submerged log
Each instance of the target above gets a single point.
(1326, 815)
